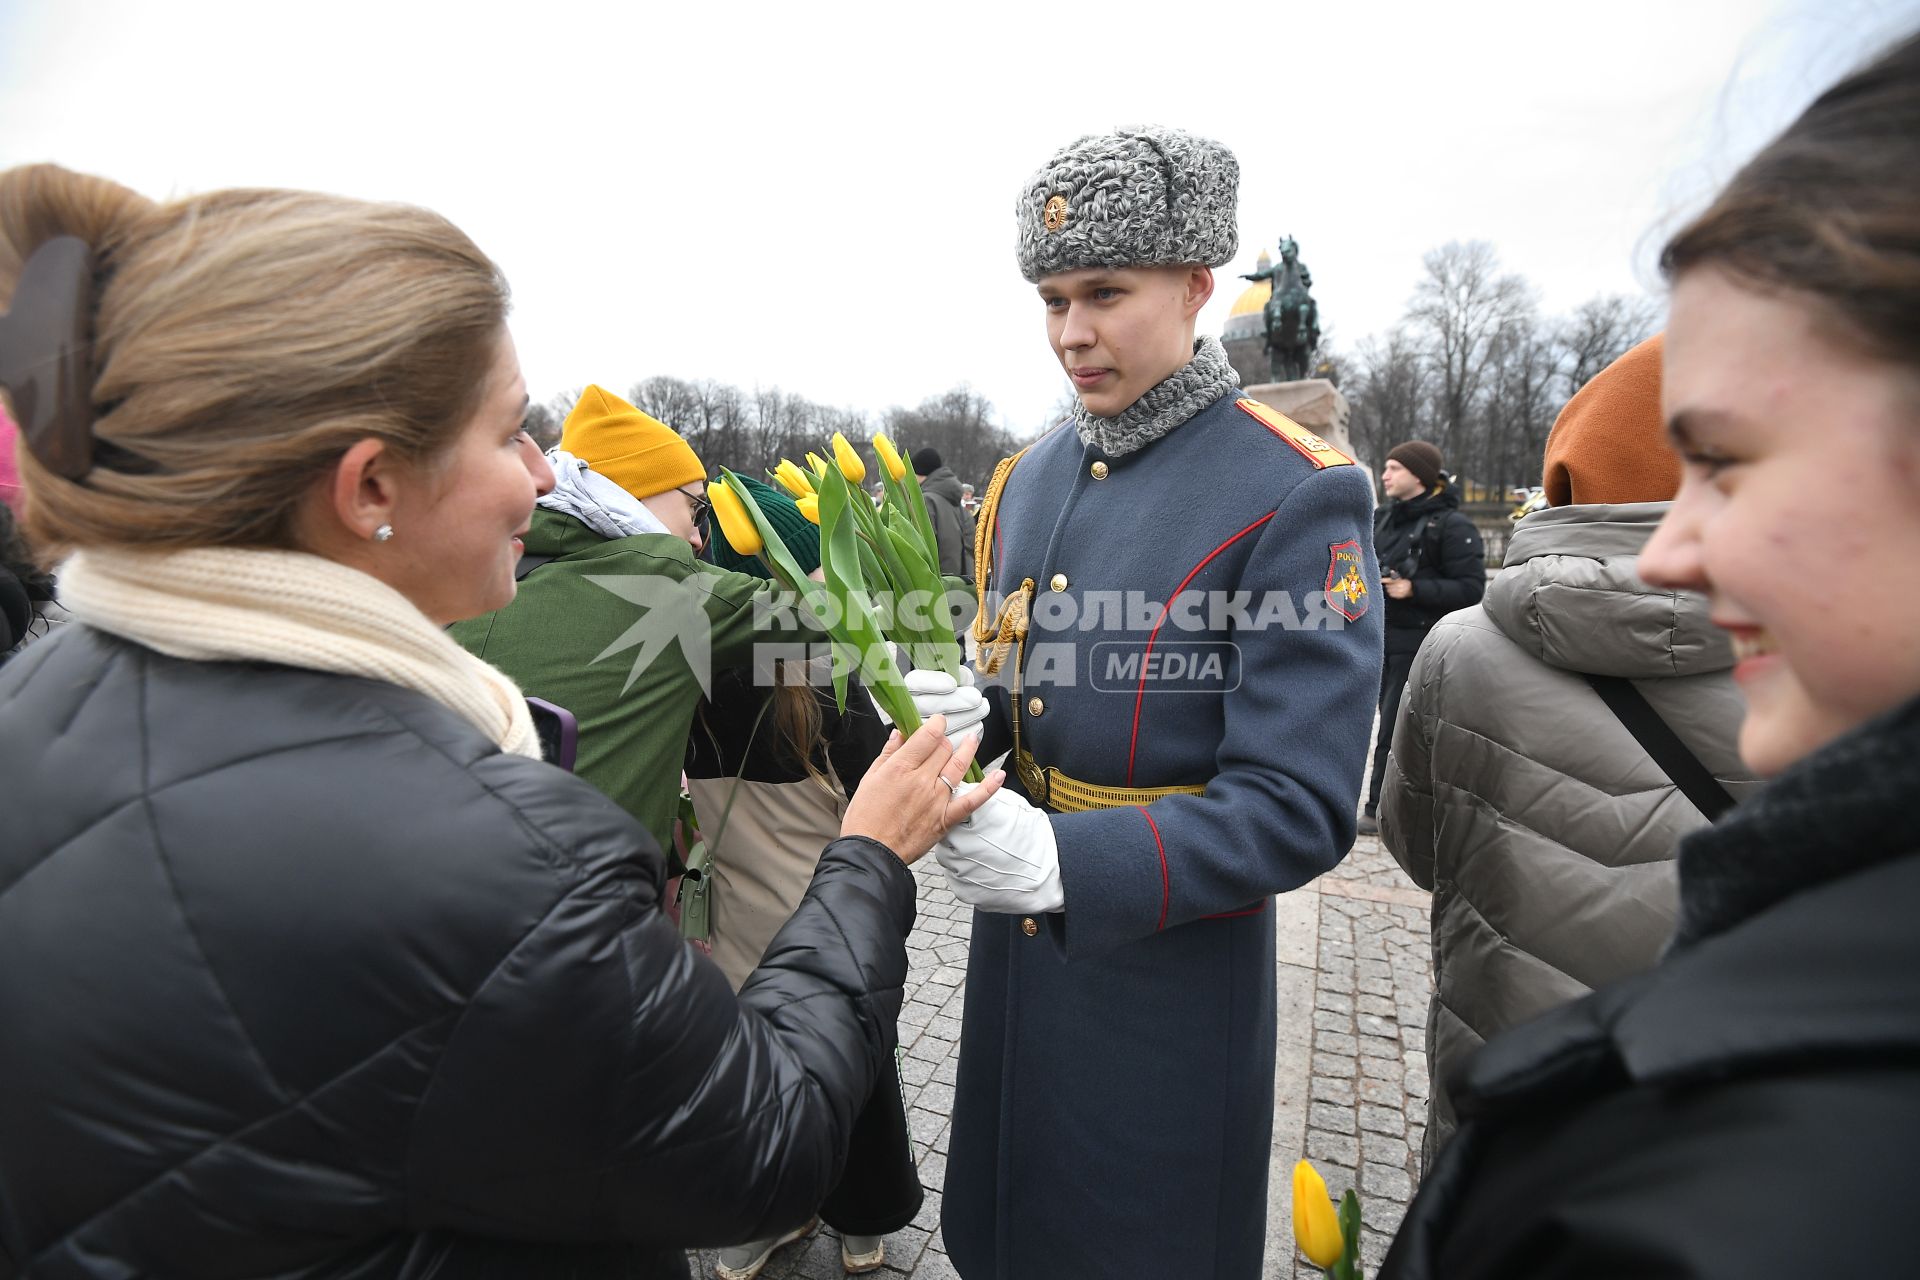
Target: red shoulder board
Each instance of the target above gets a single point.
(1311, 446)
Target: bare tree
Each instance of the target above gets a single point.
(1390, 390)
(1601, 330)
(1062, 408)
(543, 425)
(1328, 362)
(1518, 409)
(705, 414)
(1457, 312)
(960, 425)
(561, 404)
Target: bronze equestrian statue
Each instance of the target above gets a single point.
(1292, 316)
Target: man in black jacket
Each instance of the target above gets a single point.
(952, 522)
(1431, 563)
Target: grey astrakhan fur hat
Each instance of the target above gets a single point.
(1146, 197)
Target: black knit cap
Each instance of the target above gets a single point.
(1420, 458)
(926, 461)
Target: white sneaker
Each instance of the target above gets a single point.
(860, 1254)
(744, 1261)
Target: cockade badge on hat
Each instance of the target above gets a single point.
(1054, 216)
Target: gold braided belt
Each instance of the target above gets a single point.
(1050, 787)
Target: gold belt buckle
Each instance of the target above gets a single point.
(1033, 777)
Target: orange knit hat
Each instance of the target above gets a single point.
(639, 453)
(1610, 443)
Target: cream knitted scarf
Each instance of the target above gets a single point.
(225, 604)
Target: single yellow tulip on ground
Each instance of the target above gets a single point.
(735, 524)
(850, 465)
(1316, 1227)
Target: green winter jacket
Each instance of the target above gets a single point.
(583, 621)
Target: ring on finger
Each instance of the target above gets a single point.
(952, 790)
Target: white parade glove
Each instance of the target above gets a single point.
(1003, 857)
(936, 694)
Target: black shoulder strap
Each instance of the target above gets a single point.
(528, 563)
(1418, 540)
(1659, 740)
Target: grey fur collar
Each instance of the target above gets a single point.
(1191, 388)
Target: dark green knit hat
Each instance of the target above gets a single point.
(801, 535)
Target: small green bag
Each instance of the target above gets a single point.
(696, 896)
(696, 882)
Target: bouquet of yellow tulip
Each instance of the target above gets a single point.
(893, 550)
(1329, 1241)
(868, 556)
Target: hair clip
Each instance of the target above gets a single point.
(46, 348)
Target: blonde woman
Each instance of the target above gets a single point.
(308, 965)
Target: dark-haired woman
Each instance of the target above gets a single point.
(27, 608)
(1751, 1106)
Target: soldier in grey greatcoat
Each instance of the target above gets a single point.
(1181, 641)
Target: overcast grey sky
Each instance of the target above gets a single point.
(819, 197)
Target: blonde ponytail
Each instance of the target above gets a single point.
(243, 341)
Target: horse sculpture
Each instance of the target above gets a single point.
(1291, 315)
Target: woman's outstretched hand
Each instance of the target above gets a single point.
(907, 799)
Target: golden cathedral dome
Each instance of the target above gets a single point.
(1254, 300)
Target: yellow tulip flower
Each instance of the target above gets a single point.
(889, 456)
(1316, 1227)
(809, 507)
(818, 463)
(735, 524)
(850, 465)
(792, 479)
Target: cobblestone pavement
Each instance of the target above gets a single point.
(1367, 1089)
(1350, 1084)
(930, 1034)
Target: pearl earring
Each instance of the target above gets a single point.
(383, 534)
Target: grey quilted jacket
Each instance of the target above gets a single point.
(1544, 830)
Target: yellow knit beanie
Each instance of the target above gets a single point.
(640, 454)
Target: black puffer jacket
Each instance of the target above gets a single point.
(1748, 1108)
(16, 610)
(301, 976)
(1428, 540)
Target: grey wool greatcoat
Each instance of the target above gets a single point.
(1114, 1105)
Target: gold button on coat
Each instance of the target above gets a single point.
(1059, 582)
(1029, 926)
(1099, 470)
(1035, 707)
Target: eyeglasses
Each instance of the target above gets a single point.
(699, 503)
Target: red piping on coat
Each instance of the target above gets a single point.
(1141, 695)
(1166, 885)
(1244, 911)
